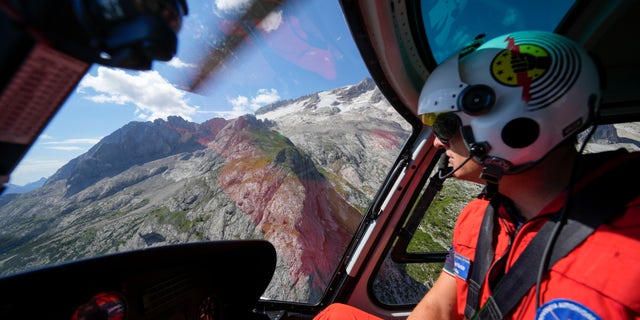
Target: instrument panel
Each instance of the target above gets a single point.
(210, 280)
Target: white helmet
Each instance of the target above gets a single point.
(514, 98)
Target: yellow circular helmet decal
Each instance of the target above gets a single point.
(520, 65)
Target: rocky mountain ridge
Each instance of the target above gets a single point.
(13, 188)
(256, 177)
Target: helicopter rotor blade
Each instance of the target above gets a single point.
(239, 31)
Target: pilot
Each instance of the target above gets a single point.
(555, 233)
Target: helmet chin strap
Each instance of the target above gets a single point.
(492, 167)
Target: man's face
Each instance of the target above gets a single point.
(457, 152)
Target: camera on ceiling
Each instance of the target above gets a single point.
(119, 33)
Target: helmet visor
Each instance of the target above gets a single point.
(445, 125)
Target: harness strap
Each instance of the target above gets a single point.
(601, 201)
(483, 258)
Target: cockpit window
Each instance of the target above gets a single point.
(450, 25)
(266, 125)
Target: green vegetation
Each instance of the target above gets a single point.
(177, 219)
(345, 189)
(114, 214)
(425, 273)
(435, 231)
(271, 143)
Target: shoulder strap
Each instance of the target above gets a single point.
(599, 202)
(482, 259)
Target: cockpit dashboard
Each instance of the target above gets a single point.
(214, 280)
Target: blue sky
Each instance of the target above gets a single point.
(322, 56)
(292, 53)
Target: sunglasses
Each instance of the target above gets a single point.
(445, 125)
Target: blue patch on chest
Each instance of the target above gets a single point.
(565, 309)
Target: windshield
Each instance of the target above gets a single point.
(266, 125)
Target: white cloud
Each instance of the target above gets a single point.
(33, 167)
(70, 144)
(232, 6)
(66, 148)
(243, 105)
(271, 22)
(179, 64)
(153, 96)
(90, 141)
(236, 7)
(240, 103)
(264, 97)
(30, 170)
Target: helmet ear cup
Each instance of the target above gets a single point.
(520, 132)
(477, 99)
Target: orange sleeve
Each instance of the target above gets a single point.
(340, 311)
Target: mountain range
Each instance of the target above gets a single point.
(299, 173)
(13, 188)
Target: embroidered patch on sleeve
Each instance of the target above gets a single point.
(461, 266)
